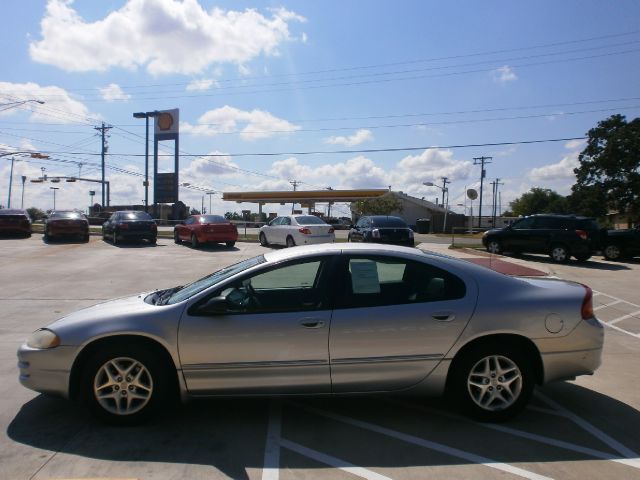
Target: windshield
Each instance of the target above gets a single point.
(213, 219)
(393, 222)
(136, 216)
(71, 215)
(199, 285)
(309, 220)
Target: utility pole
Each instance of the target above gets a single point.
(295, 184)
(24, 179)
(103, 130)
(481, 161)
(496, 186)
(445, 180)
(10, 182)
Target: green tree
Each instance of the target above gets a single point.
(539, 200)
(383, 205)
(611, 163)
(233, 216)
(35, 213)
(587, 200)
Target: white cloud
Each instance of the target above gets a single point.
(202, 84)
(258, 124)
(113, 92)
(504, 74)
(430, 166)
(357, 138)
(163, 36)
(561, 170)
(575, 144)
(208, 168)
(59, 105)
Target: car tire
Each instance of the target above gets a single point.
(559, 253)
(153, 240)
(349, 239)
(114, 238)
(612, 252)
(176, 237)
(194, 241)
(290, 242)
(494, 246)
(230, 244)
(263, 239)
(85, 238)
(47, 236)
(583, 258)
(116, 398)
(492, 383)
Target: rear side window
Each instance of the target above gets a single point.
(551, 223)
(587, 224)
(383, 281)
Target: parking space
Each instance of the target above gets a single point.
(581, 429)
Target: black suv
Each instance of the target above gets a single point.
(382, 229)
(560, 236)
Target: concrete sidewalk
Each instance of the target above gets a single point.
(499, 263)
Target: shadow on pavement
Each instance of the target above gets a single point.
(229, 434)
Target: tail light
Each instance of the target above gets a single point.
(305, 231)
(331, 230)
(587, 304)
(582, 234)
(123, 226)
(154, 227)
(375, 233)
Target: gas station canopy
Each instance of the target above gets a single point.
(304, 196)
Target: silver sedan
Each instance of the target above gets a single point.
(323, 319)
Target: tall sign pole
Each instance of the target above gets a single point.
(483, 173)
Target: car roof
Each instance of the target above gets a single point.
(556, 215)
(12, 211)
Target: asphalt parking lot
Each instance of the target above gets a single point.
(587, 428)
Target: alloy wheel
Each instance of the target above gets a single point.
(123, 386)
(494, 383)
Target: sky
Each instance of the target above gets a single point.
(341, 94)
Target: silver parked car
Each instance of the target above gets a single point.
(292, 230)
(332, 318)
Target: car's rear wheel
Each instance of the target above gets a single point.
(492, 383)
(612, 252)
(559, 253)
(123, 385)
(583, 258)
(47, 235)
(114, 238)
(176, 237)
(194, 241)
(85, 237)
(263, 239)
(494, 246)
(290, 242)
(153, 240)
(230, 244)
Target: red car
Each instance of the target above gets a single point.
(199, 229)
(66, 224)
(15, 221)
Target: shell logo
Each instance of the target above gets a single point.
(165, 121)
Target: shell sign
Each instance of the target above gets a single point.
(167, 122)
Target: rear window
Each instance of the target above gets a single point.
(213, 219)
(393, 222)
(136, 216)
(587, 224)
(309, 220)
(70, 215)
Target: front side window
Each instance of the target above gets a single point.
(382, 281)
(288, 288)
(190, 221)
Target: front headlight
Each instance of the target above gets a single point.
(42, 339)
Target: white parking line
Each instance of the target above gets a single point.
(600, 307)
(611, 324)
(271, 465)
(439, 447)
(624, 317)
(616, 298)
(332, 461)
(596, 432)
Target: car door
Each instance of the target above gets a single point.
(357, 234)
(271, 337)
(519, 235)
(394, 321)
(271, 232)
(284, 230)
(108, 226)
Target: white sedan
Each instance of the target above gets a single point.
(292, 230)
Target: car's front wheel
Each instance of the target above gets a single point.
(494, 246)
(123, 385)
(492, 383)
(194, 241)
(612, 252)
(263, 239)
(559, 253)
(176, 237)
(230, 244)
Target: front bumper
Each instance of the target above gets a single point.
(48, 370)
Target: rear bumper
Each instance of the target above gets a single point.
(59, 231)
(15, 229)
(312, 240)
(217, 237)
(128, 235)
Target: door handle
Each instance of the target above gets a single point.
(443, 316)
(312, 323)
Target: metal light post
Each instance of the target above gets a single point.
(24, 179)
(146, 116)
(54, 195)
(17, 104)
(445, 190)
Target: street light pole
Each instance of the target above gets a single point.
(146, 116)
(24, 179)
(54, 196)
(17, 104)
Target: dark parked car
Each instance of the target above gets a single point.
(199, 229)
(66, 224)
(382, 229)
(559, 236)
(618, 244)
(130, 225)
(15, 221)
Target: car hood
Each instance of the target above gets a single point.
(119, 316)
(494, 231)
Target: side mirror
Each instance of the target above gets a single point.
(213, 306)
